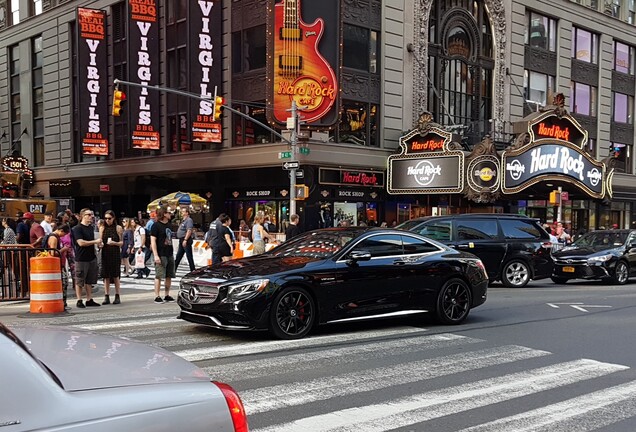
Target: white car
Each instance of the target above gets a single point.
(66, 380)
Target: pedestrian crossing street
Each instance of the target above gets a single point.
(147, 283)
(389, 377)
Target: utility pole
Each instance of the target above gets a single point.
(292, 123)
(560, 210)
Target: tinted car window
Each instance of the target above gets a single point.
(417, 246)
(382, 245)
(477, 229)
(519, 229)
(436, 230)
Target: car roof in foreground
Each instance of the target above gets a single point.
(473, 215)
(84, 360)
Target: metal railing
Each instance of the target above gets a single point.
(15, 270)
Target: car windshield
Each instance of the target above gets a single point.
(602, 239)
(316, 244)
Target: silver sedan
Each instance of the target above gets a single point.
(63, 380)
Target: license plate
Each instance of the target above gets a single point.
(568, 269)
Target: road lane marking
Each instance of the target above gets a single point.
(288, 363)
(198, 354)
(287, 395)
(578, 306)
(127, 324)
(566, 416)
(422, 407)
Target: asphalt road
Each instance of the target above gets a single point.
(542, 358)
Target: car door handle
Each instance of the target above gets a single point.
(462, 246)
(399, 262)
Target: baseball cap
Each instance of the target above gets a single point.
(28, 215)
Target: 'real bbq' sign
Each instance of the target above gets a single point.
(555, 152)
(428, 163)
(144, 47)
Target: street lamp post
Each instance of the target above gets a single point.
(292, 124)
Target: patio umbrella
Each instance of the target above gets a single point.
(173, 200)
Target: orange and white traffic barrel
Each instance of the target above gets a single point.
(45, 285)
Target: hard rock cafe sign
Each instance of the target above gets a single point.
(554, 149)
(429, 162)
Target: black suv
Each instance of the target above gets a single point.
(514, 248)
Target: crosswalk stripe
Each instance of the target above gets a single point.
(299, 393)
(422, 407)
(199, 354)
(565, 416)
(287, 363)
(126, 324)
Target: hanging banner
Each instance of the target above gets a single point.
(296, 68)
(206, 32)
(92, 61)
(143, 49)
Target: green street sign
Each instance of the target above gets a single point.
(304, 150)
(284, 155)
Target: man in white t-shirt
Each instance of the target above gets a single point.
(47, 224)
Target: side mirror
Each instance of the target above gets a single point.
(358, 255)
(631, 244)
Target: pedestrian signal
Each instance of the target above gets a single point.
(218, 106)
(555, 197)
(119, 99)
(301, 192)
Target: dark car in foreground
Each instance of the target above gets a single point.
(57, 379)
(605, 254)
(331, 275)
(514, 248)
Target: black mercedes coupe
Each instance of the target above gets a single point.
(332, 275)
(608, 255)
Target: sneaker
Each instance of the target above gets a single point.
(168, 298)
(80, 304)
(92, 303)
(106, 300)
(117, 300)
(158, 300)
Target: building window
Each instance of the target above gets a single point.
(360, 48)
(538, 88)
(38, 102)
(622, 156)
(540, 31)
(246, 132)
(177, 10)
(358, 124)
(16, 111)
(585, 46)
(623, 108)
(631, 12)
(249, 49)
(583, 99)
(623, 58)
(15, 12)
(36, 7)
(177, 68)
(613, 8)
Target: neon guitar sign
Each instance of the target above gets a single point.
(301, 73)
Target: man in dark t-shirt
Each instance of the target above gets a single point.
(161, 245)
(84, 243)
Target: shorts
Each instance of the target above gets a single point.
(85, 273)
(165, 269)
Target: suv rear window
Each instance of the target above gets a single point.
(520, 229)
(437, 230)
(477, 229)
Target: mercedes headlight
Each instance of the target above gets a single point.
(599, 259)
(246, 289)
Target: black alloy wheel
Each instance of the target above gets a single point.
(293, 313)
(559, 280)
(515, 274)
(621, 273)
(453, 302)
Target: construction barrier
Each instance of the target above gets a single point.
(202, 253)
(245, 249)
(45, 285)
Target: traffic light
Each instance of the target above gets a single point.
(218, 105)
(301, 192)
(119, 99)
(555, 197)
